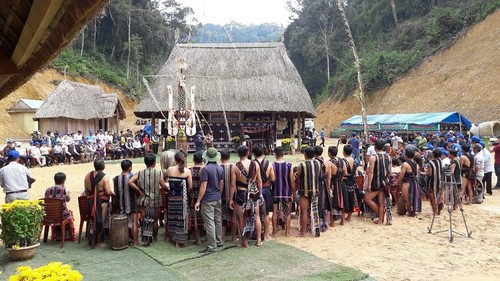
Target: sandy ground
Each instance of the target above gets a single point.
(403, 251)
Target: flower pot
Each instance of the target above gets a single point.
(23, 253)
(286, 147)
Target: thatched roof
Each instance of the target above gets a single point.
(237, 77)
(33, 33)
(80, 101)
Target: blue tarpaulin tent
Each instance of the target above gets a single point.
(407, 122)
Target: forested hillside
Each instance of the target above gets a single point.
(237, 33)
(391, 37)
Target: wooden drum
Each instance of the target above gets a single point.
(118, 232)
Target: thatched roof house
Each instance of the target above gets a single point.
(237, 77)
(34, 32)
(75, 106)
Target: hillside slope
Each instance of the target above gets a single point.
(40, 86)
(463, 78)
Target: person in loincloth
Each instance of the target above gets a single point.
(98, 193)
(249, 221)
(324, 194)
(267, 176)
(228, 216)
(338, 193)
(378, 171)
(149, 181)
(125, 196)
(410, 188)
(60, 191)
(468, 174)
(348, 182)
(283, 187)
(195, 218)
(456, 172)
(434, 174)
(308, 173)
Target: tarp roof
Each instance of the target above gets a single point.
(409, 119)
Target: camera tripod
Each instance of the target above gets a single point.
(451, 194)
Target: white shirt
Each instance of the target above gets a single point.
(13, 177)
(479, 162)
(488, 167)
(77, 137)
(370, 151)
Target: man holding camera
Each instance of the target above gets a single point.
(495, 147)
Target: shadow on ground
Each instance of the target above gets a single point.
(162, 261)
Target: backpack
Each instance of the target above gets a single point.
(253, 188)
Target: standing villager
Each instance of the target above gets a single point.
(410, 187)
(149, 181)
(468, 172)
(228, 216)
(212, 183)
(98, 194)
(378, 171)
(267, 176)
(456, 172)
(308, 174)
(495, 147)
(479, 170)
(354, 142)
(435, 178)
(247, 185)
(180, 182)
(338, 192)
(322, 136)
(155, 141)
(348, 183)
(193, 195)
(125, 195)
(283, 187)
(324, 194)
(14, 178)
(247, 141)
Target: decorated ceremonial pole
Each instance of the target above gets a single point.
(181, 122)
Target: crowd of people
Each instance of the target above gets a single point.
(55, 148)
(239, 197)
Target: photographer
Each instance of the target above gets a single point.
(495, 147)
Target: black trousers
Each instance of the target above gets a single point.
(487, 181)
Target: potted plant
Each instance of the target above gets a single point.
(170, 143)
(236, 141)
(21, 227)
(182, 140)
(286, 144)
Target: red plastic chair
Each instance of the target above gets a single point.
(83, 208)
(54, 208)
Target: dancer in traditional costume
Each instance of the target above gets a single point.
(283, 187)
(195, 218)
(149, 182)
(267, 176)
(378, 171)
(180, 182)
(348, 182)
(434, 183)
(309, 173)
(410, 187)
(228, 216)
(60, 191)
(245, 179)
(338, 192)
(324, 195)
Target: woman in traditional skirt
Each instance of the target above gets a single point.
(410, 188)
(195, 218)
(348, 183)
(60, 191)
(336, 186)
(180, 181)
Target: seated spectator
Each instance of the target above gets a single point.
(138, 149)
(129, 148)
(45, 151)
(60, 191)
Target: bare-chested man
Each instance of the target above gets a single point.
(98, 192)
(239, 184)
(379, 169)
(268, 177)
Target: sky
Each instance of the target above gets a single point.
(241, 11)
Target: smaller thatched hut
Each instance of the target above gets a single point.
(75, 106)
(22, 113)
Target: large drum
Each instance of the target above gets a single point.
(119, 232)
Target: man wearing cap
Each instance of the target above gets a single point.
(452, 144)
(14, 179)
(209, 198)
(479, 170)
(354, 142)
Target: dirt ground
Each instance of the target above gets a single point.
(402, 251)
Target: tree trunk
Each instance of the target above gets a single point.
(83, 42)
(357, 63)
(95, 32)
(128, 56)
(394, 14)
